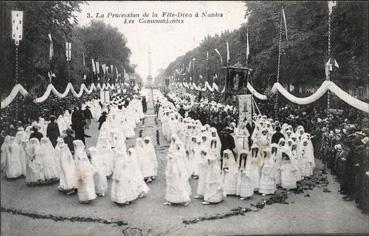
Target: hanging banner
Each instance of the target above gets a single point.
(68, 51)
(245, 107)
(17, 26)
(104, 96)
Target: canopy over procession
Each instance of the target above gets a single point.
(202, 140)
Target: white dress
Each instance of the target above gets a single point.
(214, 192)
(230, 173)
(125, 182)
(68, 173)
(19, 138)
(254, 169)
(49, 161)
(244, 185)
(176, 179)
(106, 154)
(85, 173)
(288, 176)
(151, 155)
(267, 183)
(142, 187)
(194, 158)
(146, 166)
(101, 183)
(34, 170)
(12, 162)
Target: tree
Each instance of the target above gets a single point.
(304, 54)
(105, 44)
(40, 18)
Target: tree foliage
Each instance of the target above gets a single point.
(304, 54)
(105, 44)
(58, 18)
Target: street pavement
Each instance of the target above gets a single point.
(322, 212)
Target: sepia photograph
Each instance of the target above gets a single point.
(184, 118)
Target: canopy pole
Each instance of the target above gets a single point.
(279, 58)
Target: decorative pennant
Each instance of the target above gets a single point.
(17, 26)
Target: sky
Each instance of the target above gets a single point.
(167, 41)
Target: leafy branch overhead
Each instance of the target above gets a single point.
(305, 53)
(58, 18)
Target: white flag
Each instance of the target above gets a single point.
(51, 51)
(97, 67)
(93, 65)
(331, 4)
(17, 26)
(247, 46)
(221, 59)
(285, 23)
(83, 59)
(336, 64)
(228, 53)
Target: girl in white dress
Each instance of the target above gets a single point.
(124, 188)
(288, 175)
(254, 166)
(306, 155)
(21, 141)
(194, 156)
(229, 172)
(267, 183)
(214, 192)
(295, 161)
(176, 176)
(50, 167)
(151, 155)
(202, 167)
(245, 188)
(146, 166)
(68, 174)
(12, 162)
(85, 173)
(34, 172)
(142, 187)
(278, 160)
(101, 183)
(106, 154)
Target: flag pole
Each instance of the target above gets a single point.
(279, 58)
(329, 54)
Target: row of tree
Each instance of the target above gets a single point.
(304, 54)
(96, 41)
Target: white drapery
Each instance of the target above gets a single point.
(51, 89)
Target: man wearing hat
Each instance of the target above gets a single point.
(52, 131)
(102, 119)
(88, 116)
(348, 178)
(36, 133)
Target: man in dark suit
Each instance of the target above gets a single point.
(277, 135)
(52, 131)
(182, 111)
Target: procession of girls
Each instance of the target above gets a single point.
(82, 171)
(259, 166)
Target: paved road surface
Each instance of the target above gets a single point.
(321, 212)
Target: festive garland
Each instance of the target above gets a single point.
(277, 87)
(51, 89)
